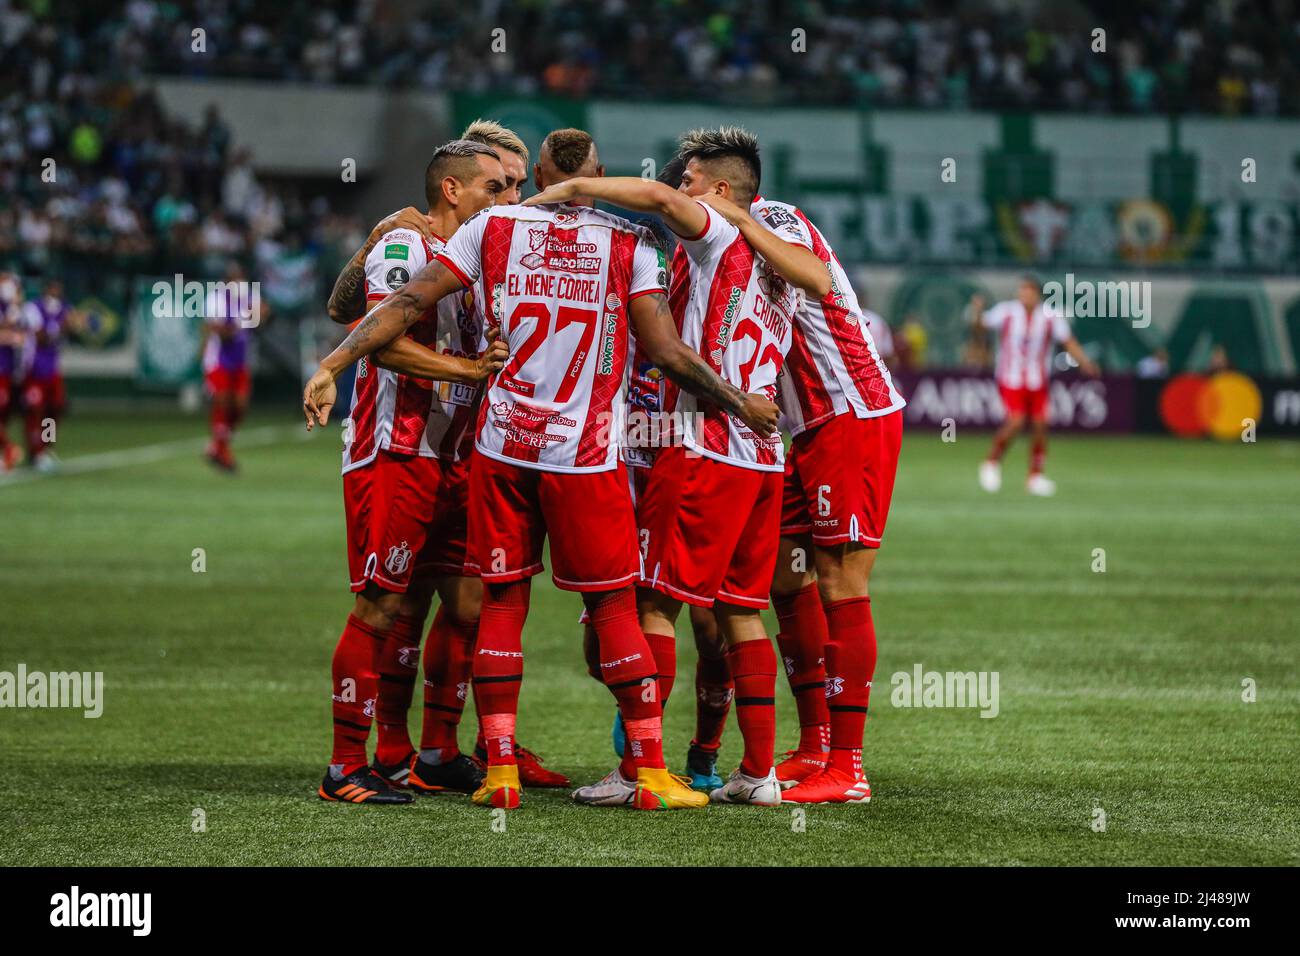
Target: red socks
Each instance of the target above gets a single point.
(663, 649)
(355, 688)
(220, 423)
(628, 669)
(1037, 455)
(753, 668)
(802, 640)
(499, 666)
(850, 665)
(448, 657)
(713, 692)
(397, 668)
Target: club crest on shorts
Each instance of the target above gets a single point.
(399, 556)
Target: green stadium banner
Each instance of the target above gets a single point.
(167, 343)
(531, 117)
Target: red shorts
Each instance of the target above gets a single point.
(406, 517)
(587, 516)
(44, 394)
(709, 530)
(839, 479)
(1029, 402)
(222, 381)
(6, 398)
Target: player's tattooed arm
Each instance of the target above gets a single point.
(384, 323)
(682, 213)
(795, 263)
(348, 298)
(656, 333)
(408, 357)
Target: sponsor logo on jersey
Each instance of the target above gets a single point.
(396, 277)
(498, 298)
(608, 343)
(613, 302)
(776, 217)
(724, 329)
(396, 250)
(526, 424)
(399, 556)
(561, 255)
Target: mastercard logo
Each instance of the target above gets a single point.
(1193, 406)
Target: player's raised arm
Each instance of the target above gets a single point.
(656, 333)
(795, 263)
(385, 322)
(682, 213)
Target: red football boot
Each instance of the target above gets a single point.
(531, 771)
(799, 765)
(829, 786)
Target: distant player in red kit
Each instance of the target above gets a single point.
(564, 284)
(712, 504)
(1026, 330)
(13, 336)
(226, 335)
(48, 320)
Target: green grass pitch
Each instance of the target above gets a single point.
(1120, 690)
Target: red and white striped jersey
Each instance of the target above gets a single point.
(833, 366)
(414, 416)
(558, 281)
(738, 316)
(1025, 342)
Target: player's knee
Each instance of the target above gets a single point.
(378, 608)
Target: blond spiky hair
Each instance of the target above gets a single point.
(491, 133)
(731, 150)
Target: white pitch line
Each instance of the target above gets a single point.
(148, 454)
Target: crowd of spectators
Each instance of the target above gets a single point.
(1204, 56)
(91, 165)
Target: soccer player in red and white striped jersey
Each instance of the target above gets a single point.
(563, 284)
(712, 505)
(1027, 331)
(846, 420)
(405, 461)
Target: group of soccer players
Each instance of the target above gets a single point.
(542, 370)
(31, 332)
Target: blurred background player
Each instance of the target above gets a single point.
(13, 338)
(226, 342)
(48, 318)
(1026, 332)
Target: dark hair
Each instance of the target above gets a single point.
(730, 151)
(671, 174)
(568, 149)
(455, 159)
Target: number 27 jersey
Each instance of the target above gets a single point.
(557, 282)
